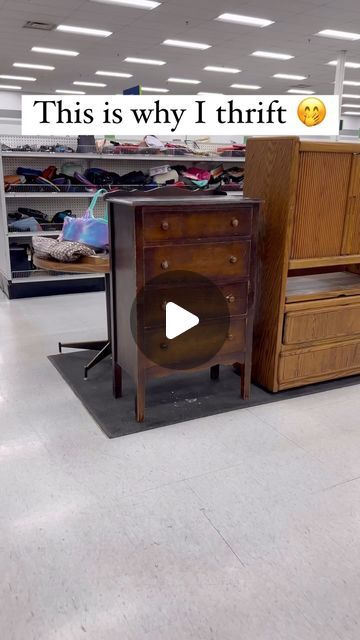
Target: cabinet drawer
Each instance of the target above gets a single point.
(183, 350)
(319, 363)
(164, 226)
(217, 261)
(198, 300)
(322, 324)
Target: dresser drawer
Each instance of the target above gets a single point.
(318, 363)
(193, 344)
(322, 324)
(198, 300)
(165, 226)
(217, 261)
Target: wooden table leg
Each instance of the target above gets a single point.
(140, 398)
(245, 373)
(117, 381)
(215, 372)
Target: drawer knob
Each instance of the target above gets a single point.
(233, 259)
(230, 336)
(164, 346)
(164, 264)
(235, 222)
(164, 225)
(230, 298)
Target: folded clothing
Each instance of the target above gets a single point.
(65, 251)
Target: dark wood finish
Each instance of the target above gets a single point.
(165, 225)
(199, 301)
(218, 261)
(311, 228)
(213, 236)
(171, 352)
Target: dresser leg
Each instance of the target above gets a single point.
(117, 381)
(140, 400)
(245, 376)
(215, 372)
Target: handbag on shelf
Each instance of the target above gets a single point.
(88, 229)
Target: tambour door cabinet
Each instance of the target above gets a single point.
(307, 320)
(163, 235)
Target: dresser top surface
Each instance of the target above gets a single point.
(176, 200)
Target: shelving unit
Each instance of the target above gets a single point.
(34, 282)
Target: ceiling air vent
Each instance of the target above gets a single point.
(42, 26)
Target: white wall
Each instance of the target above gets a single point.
(9, 102)
(351, 123)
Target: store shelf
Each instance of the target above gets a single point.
(30, 234)
(49, 194)
(44, 276)
(124, 156)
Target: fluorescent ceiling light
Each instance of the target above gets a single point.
(154, 90)
(186, 45)
(26, 65)
(209, 93)
(84, 31)
(350, 95)
(339, 35)
(26, 78)
(247, 20)
(305, 92)
(158, 63)
(353, 106)
(137, 4)
(352, 83)
(57, 52)
(89, 84)
(10, 86)
(289, 76)
(245, 86)
(270, 54)
(349, 65)
(70, 91)
(113, 74)
(351, 113)
(222, 69)
(184, 81)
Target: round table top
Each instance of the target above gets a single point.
(87, 264)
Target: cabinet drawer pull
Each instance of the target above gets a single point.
(235, 222)
(230, 336)
(230, 298)
(164, 346)
(233, 259)
(164, 225)
(164, 264)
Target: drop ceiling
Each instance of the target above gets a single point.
(139, 33)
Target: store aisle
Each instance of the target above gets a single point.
(242, 525)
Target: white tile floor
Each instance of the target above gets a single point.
(243, 526)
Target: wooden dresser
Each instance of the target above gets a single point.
(205, 239)
(307, 321)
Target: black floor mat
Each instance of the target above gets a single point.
(177, 398)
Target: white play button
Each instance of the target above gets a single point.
(178, 320)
